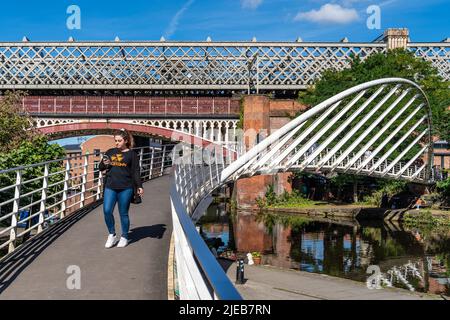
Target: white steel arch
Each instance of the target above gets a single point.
(380, 128)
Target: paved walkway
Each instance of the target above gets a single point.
(270, 283)
(139, 271)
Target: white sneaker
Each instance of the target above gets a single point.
(112, 239)
(122, 243)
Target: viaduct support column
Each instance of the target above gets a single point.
(257, 126)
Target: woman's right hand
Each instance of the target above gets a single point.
(106, 162)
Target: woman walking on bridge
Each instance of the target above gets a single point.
(122, 178)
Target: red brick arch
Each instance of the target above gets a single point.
(169, 134)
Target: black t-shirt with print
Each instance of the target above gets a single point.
(123, 171)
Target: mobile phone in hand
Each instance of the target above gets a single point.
(105, 158)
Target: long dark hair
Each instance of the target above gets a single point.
(129, 141)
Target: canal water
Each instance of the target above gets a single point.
(410, 258)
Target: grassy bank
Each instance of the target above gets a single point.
(426, 217)
(295, 200)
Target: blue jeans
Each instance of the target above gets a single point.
(111, 197)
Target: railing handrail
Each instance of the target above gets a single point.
(5, 171)
(221, 285)
(51, 200)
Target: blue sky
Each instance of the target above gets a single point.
(222, 20)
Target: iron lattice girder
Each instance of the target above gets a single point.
(186, 65)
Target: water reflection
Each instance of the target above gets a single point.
(215, 228)
(410, 258)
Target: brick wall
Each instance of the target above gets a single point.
(264, 116)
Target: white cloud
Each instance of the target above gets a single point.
(251, 4)
(329, 13)
(348, 3)
(386, 3)
(176, 18)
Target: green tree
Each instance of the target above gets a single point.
(20, 145)
(396, 63)
(341, 180)
(14, 126)
(20, 142)
(35, 150)
(443, 187)
(32, 151)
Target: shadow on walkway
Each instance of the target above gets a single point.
(155, 231)
(12, 265)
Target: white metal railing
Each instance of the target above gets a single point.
(42, 194)
(400, 170)
(295, 147)
(198, 273)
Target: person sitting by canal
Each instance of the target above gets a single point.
(419, 203)
(122, 178)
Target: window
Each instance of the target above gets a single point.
(441, 145)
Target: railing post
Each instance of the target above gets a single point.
(66, 190)
(43, 198)
(162, 160)
(150, 174)
(13, 232)
(216, 160)
(210, 173)
(141, 158)
(99, 185)
(84, 179)
(191, 188)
